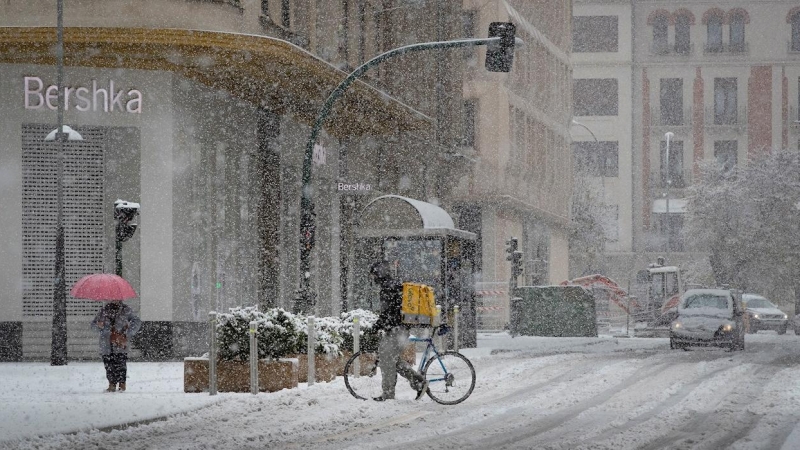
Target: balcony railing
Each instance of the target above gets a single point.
(737, 122)
(659, 121)
(727, 48)
(672, 49)
(658, 181)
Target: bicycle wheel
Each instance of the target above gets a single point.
(451, 378)
(365, 385)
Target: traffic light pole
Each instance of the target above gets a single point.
(305, 301)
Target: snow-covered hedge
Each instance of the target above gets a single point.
(369, 337)
(280, 333)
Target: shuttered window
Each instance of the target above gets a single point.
(82, 185)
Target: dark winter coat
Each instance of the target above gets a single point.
(123, 319)
(391, 302)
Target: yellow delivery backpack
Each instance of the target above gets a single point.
(419, 305)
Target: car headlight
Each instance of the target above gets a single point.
(676, 325)
(785, 317)
(755, 316)
(727, 327)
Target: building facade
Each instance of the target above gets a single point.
(720, 79)
(200, 112)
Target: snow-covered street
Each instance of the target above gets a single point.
(553, 393)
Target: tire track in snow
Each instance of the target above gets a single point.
(524, 432)
(714, 422)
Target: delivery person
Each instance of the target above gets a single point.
(394, 334)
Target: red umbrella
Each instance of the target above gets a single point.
(104, 287)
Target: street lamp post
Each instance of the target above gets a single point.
(58, 354)
(668, 136)
(499, 57)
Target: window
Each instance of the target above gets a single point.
(670, 228)
(265, 8)
(597, 159)
(285, 17)
(469, 123)
(682, 39)
(469, 23)
(595, 96)
(672, 170)
(595, 34)
(796, 32)
(660, 34)
(725, 101)
(737, 33)
(714, 37)
(671, 101)
(725, 152)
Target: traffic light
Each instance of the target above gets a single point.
(511, 246)
(515, 256)
(500, 55)
(124, 214)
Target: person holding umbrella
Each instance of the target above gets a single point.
(116, 322)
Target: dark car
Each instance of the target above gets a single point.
(762, 314)
(708, 317)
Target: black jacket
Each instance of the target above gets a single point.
(391, 298)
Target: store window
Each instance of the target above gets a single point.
(672, 170)
(682, 38)
(714, 34)
(595, 97)
(725, 152)
(597, 159)
(725, 93)
(671, 97)
(595, 34)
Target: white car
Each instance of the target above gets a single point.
(708, 317)
(764, 315)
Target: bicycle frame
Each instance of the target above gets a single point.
(430, 347)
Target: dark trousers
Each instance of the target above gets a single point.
(116, 367)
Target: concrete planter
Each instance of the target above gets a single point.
(326, 367)
(234, 376)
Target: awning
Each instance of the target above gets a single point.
(676, 206)
(259, 69)
(394, 215)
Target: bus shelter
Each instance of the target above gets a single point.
(422, 245)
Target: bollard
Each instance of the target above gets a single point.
(312, 344)
(455, 328)
(356, 345)
(212, 354)
(253, 358)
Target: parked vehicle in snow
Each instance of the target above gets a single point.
(762, 314)
(708, 317)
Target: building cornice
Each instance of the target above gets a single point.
(259, 69)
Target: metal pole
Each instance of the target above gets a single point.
(253, 358)
(438, 321)
(668, 135)
(58, 355)
(356, 345)
(212, 354)
(455, 328)
(304, 301)
(312, 344)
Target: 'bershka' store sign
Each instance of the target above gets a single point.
(107, 99)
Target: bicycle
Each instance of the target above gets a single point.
(450, 375)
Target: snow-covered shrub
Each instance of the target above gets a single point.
(369, 337)
(327, 331)
(276, 333)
